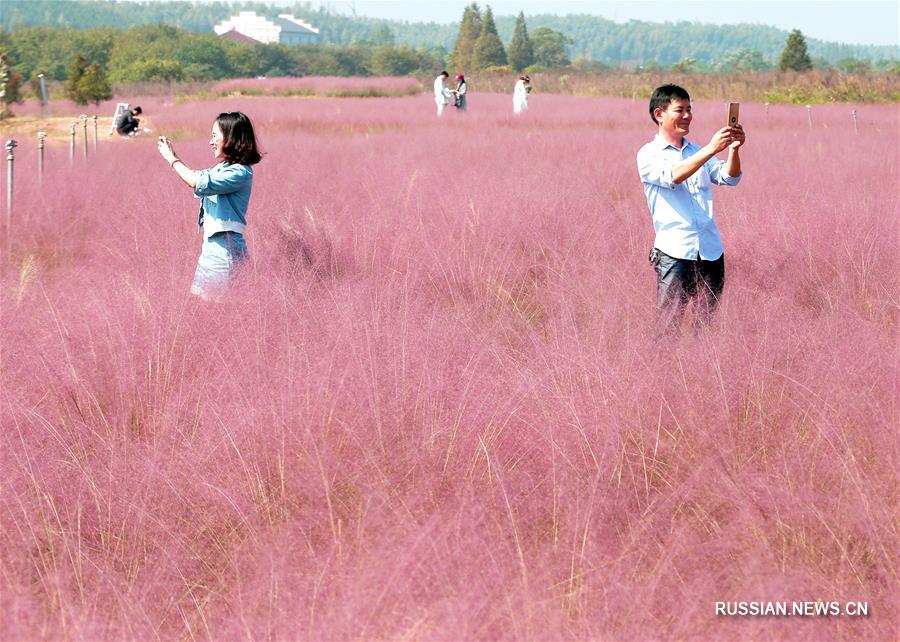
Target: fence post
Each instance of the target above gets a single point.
(41, 136)
(855, 124)
(45, 103)
(95, 134)
(84, 133)
(71, 141)
(10, 145)
(809, 115)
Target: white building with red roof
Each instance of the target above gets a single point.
(285, 29)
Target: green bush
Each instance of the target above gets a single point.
(153, 70)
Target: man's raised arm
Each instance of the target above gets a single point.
(686, 168)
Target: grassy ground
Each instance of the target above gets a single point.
(433, 407)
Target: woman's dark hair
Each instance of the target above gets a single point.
(238, 139)
(664, 95)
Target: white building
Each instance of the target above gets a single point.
(285, 29)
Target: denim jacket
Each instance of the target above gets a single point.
(225, 193)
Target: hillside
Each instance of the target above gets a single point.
(591, 36)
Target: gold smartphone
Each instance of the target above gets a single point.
(733, 114)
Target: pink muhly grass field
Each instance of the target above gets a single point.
(322, 85)
(433, 407)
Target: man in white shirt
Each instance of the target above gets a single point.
(678, 176)
(441, 95)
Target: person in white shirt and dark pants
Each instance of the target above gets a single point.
(678, 175)
(441, 94)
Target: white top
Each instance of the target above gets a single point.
(683, 216)
(520, 93)
(439, 92)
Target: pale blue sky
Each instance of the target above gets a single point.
(866, 22)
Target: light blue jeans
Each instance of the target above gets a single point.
(220, 260)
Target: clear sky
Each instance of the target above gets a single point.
(865, 22)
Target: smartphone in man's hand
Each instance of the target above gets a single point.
(733, 114)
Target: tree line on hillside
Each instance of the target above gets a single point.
(89, 60)
(587, 38)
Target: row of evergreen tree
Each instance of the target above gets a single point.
(479, 47)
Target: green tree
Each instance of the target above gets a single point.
(202, 57)
(469, 31)
(94, 85)
(521, 52)
(549, 47)
(649, 66)
(794, 56)
(146, 43)
(489, 51)
(74, 72)
(854, 66)
(743, 59)
(153, 70)
(383, 36)
(888, 66)
(685, 66)
(394, 61)
(277, 60)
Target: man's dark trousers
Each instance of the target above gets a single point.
(680, 280)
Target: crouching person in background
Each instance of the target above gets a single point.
(127, 123)
(678, 175)
(224, 190)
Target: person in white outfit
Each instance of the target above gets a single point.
(441, 94)
(520, 94)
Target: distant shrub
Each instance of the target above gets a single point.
(153, 69)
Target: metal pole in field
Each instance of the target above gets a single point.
(95, 133)
(45, 103)
(10, 144)
(809, 115)
(84, 133)
(71, 141)
(41, 136)
(855, 124)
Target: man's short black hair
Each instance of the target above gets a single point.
(444, 74)
(665, 94)
(137, 110)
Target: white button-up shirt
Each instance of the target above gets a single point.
(440, 94)
(682, 214)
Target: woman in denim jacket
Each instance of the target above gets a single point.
(224, 191)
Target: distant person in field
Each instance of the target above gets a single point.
(678, 175)
(128, 124)
(459, 94)
(224, 190)
(441, 93)
(520, 94)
